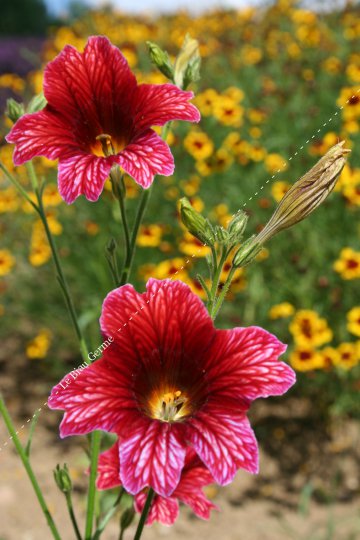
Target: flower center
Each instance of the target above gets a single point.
(169, 406)
(106, 144)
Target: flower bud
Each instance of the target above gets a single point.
(247, 252)
(62, 478)
(187, 62)
(127, 518)
(111, 246)
(195, 223)
(221, 235)
(37, 103)
(14, 110)
(307, 193)
(161, 60)
(237, 226)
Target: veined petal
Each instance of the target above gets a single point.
(145, 156)
(157, 104)
(91, 88)
(83, 174)
(109, 468)
(167, 324)
(189, 490)
(40, 134)
(165, 510)
(244, 364)
(152, 453)
(224, 441)
(97, 397)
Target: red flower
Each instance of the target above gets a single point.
(98, 116)
(170, 380)
(194, 476)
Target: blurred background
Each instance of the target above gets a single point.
(279, 86)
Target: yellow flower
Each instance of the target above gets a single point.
(306, 359)
(191, 187)
(348, 355)
(275, 163)
(51, 195)
(40, 253)
(222, 215)
(279, 311)
(353, 318)
(348, 264)
(205, 101)
(228, 112)
(256, 116)
(9, 200)
(7, 261)
(250, 55)
(255, 132)
(234, 93)
(149, 236)
(39, 346)
(193, 247)
(278, 189)
(172, 268)
(349, 101)
(196, 287)
(352, 194)
(330, 356)
(320, 147)
(198, 144)
(353, 72)
(92, 228)
(332, 65)
(309, 330)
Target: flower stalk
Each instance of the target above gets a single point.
(144, 514)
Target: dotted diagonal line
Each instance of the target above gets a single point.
(340, 108)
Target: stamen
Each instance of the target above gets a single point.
(170, 407)
(106, 144)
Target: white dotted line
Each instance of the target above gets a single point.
(340, 108)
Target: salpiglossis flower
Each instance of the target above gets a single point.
(194, 477)
(97, 116)
(169, 381)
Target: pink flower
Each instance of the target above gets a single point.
(170, 380)
(98, 116)
(194, 476)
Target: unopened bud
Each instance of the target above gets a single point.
(195, 223)
(221, 235)
(62, 478)
(161, 60)
(14, 110)
(188, 59)
(37, 103)
(111, 246)
(237, 226)
(307, 193)
(247, 252)
(192, 73)
(127, 518)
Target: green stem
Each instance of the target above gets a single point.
(144, 514)
(25, 460)
(108, 515)
(94, 454)
(17, 184)
(216, 307)
(216, 279)
(72, 515)
(144, 199)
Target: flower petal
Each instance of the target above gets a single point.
(40, 134)
(145, 156)
(109, 468)
(244, 364)
(224, 441)
(152, 453)
(167, 324)
(83, 174)
(193, 478)
(97, 397)
(165, 510)
(88, 88)
(157, 104)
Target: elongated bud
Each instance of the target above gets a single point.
(247, 252)
(195, 223)
(307, 193)
(161, 60)
(221, 235)
(14, 110)
(111, 246)
(62, 478)
(187, 62)
(237, 226)
(37, 103)
(127, 518)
